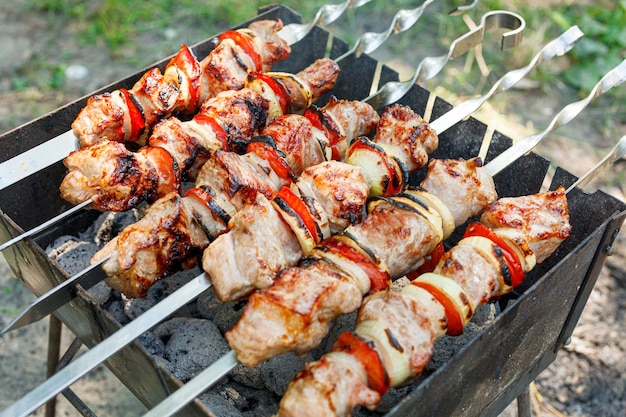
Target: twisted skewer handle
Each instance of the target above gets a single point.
(326, 14)
(431, 66)
(402, 21)
(556, 47)
(613, 78)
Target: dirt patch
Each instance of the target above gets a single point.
(589, 377)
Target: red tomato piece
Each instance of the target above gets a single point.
(453, 316)
(137, 122)
(430, 262)
(278, 88)
(510, 257)
(247, 44)
(379, 279)
(365, 353)
(220, 132)
(277, 162)
(298, 206)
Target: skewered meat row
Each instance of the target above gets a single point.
(266, 237)
(393, 240)
(395, 332)
(128, 115)
(117, 179)
(263, 237)
(168, 237)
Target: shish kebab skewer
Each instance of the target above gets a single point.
(218, 369)
(53, 150)
(427, 69)
(276, 226)
(65, 292)
(113, 344)
(394, 334)
(184, 154)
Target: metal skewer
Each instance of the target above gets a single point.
(617, 152)
(613, 78)
(431, 66)
(227, 362)
(32, 161)
(115, 343)
(52, 300)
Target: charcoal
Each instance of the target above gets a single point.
(134, 307)
(225, 315)
(71, 254)
(447, 346)
(110, 224)
(192, 347)
(152, 343)
(279, 370)
(249, 376)
(260, 403)
(219, 405)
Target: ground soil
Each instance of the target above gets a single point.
(588, 378)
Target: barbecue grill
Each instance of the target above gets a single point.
(490, 371)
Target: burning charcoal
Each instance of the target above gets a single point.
(448, 346)
(225, 315)
(219, 405)
(279, 370)
(152, 343)
(110, 224)
(134, 307)
(71, 254)
(193, 346)
(249, 376)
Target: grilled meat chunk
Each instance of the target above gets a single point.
(475, 191)
(542, 221)
(258, 244)
(295, 311)
(334, 385)
(167, 236)
(129, 115)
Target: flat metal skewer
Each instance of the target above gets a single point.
(209, 376)
(51, 301)
(116, 342)
(617, 152)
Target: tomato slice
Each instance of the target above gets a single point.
(365, 353)
(430, 262)
(276, 160)
(379, 279)
(247, 44)
(220, 132)
(278, 88)
(187, 63)
(453, 316)
(510, 257)
(207, 199)
(137, 122)
(298, 206)
(321, 121)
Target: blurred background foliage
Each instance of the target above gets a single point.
(134, 34)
